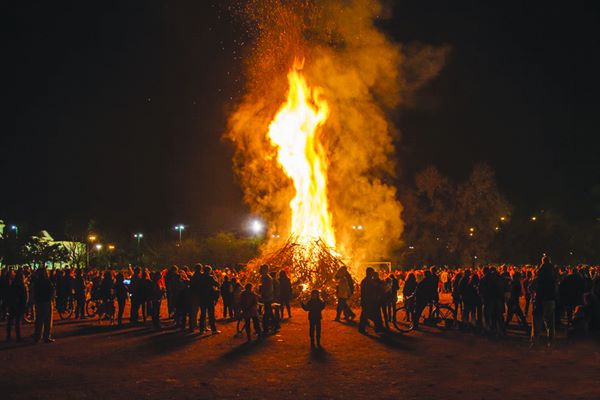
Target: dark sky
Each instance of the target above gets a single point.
(114, 109)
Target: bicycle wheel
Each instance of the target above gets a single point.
(402, 319)
(29, 315)
(91, 308)
(65, 310)
(446, 316)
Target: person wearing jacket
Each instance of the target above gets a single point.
(285, 293)
(17, 298)
(249, 310)
(43, 296)
(208, 293)
(343, 292)
(314, 306)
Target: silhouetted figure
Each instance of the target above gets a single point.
(79, 294)
(267, 296)
(227, 296)
(343, 292)
(285, 293)
(155, 298)
(314, 306)
(208, 291)
(369, 302)
(425, 293)
(44, 295)
(249, 311)
(544, 302)
(16, 299)
(121, 293)
(514, 304)
(135, 291)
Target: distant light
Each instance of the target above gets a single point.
(354, 227)
(472, 229)
(138, 235)
(13, 227)
(98, 246)
(111, 247)
(256, 226)
(92, 238)
(502, 218)
(360, 227)
(534, 218)
(497, 228)
(179, 227)
(471, 234)
(411, 247)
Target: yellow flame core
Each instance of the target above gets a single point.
(294, 132)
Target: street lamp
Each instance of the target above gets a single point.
(16, 229)
(91, 239)
(256, 226)
(111, 248)
(139, 237)
(179, 228)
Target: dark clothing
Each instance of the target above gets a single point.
(369, 301)
(44, 291)
(43, 319)
(314, 308)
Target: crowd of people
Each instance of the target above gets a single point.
(485, 298)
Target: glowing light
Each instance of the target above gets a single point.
(111, 247)
(294, 132)
(534, 218)
(92, 238)
(98, 247)
(256, 226)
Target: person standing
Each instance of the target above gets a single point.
(44, 295)
(209, 295)
(369, 302)
(314, 306)
(17, 303)
(227, 296)
(267, 296)
(155, 298)
(249, 311)
(544, 302)
(285, 293)
(79, 293)
(343, 292)
(121, 293)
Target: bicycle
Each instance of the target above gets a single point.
(64, 306)
(441, 316)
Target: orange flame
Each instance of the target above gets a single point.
(294, 132)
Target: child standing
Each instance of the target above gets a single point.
(249, 309)
(314, 306)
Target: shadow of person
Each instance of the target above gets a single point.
(245, 349)
(320, 355)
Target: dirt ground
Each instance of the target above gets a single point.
(93, 361)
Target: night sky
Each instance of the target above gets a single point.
(115, 109)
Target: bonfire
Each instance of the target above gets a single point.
(309, 255)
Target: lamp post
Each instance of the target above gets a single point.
(16, 229)
(111, 248)
(139, 237)
(91, 239)
(179, 228)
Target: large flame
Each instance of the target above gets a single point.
(294, 131)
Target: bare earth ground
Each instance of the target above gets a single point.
(92, 361)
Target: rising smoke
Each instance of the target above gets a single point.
(364, 77)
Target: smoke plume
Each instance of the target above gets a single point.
(364, 77)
